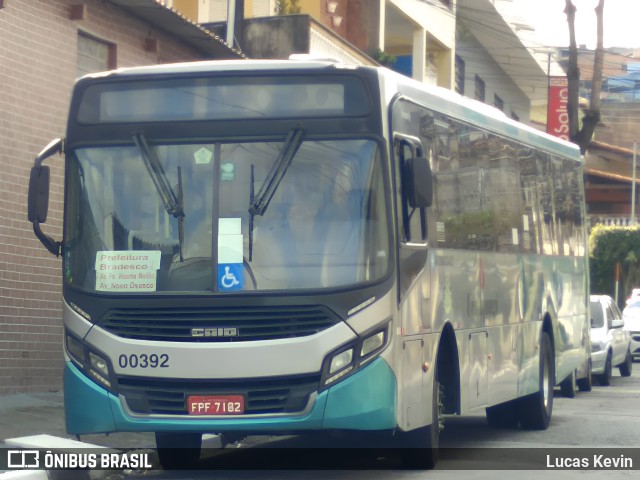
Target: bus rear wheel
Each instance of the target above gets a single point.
(177, 451)
(535, 409)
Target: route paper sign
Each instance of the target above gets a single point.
(230, 267)
(127, 271)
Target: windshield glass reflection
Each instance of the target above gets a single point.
(325, 225)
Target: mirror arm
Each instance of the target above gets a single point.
(53, 246)
(55, 146)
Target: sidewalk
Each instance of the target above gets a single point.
(27, 414)
(36, 420)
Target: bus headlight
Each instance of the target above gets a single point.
(75, 349)
(341, 364)
(372, 343)
(99, 369)
(348, 359)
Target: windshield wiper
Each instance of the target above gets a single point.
(260, 202)
(173, 203)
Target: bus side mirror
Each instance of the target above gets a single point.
(38, 197)
(38, 200)
(419, 181)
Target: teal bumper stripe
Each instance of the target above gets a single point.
(87, 408)
(365, 401)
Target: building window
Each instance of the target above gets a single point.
(479, 89)
(498, 102)
(459, 75)
(94, 55)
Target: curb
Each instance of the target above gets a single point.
(25, 475)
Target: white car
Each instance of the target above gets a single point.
(631, 317)
(610, 340)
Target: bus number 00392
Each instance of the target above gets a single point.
(144, 361)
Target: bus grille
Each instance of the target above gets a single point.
(262, 396)
(219, 324)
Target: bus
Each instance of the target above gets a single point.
(301, 246)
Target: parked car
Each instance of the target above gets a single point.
(610, 340)
(631, 317)
(634, 297)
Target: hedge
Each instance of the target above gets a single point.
(611, 245)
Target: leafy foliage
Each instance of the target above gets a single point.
(288, 7)
(384, 58)
(611, 245)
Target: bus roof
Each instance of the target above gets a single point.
(475, 112)
(222, 66)
(438, 98)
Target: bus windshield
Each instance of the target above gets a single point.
(325, 225)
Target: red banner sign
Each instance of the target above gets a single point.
(557, 114)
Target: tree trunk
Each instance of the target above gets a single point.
(573, 74)
(583, 136)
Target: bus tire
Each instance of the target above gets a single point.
(421, 446)
(535, 409)
(568, 386)
(177, 451)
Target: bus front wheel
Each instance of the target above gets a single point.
(421, 446)
(177, 451)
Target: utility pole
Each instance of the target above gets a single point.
(633, 185)
(231, 18)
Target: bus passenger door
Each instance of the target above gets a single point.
(478, 369)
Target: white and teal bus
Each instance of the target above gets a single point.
(266, 247)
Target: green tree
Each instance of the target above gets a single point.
(609, 246)
(384, 58)
(288, 7)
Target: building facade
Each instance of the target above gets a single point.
(44, 47)
(419, 35)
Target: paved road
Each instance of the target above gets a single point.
(604, 418)
(606, 421)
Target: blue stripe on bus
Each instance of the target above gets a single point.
(365, 401)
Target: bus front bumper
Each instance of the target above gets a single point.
(364, 401)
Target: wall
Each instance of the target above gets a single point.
(37, 70)
(619, 124)
(478, 61)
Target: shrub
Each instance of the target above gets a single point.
(609, 246)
